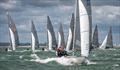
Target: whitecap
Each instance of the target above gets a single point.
(69, 60)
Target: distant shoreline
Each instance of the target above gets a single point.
(20, 44)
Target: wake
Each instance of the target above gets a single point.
(69, 60)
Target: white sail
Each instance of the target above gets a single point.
(103, 45)
(69, 45)
(85, 26)
(14, 40)
(33, 43)
(52, 44)
(13, 45)
(61, 41)
(49, 40)
(107, 43)
(34, 40)
(95, 43)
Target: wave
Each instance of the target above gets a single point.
(23, 51)
(69, 60)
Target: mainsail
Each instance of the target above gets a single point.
(52, 44)
(108, 42)
(85, 26)
(69, 45)
(76, 39)
(14, 40)
(34, 38)
(95, 43)
(61, 41)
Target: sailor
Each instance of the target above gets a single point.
(43, 49)
(6, 49)
(61, 52)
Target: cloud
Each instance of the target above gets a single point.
(105, 16)
(65, 8)
(109, 13)
(40, 3)
(105, 2)
(8, 4)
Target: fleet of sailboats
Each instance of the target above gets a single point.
(80, 32)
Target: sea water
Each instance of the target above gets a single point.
(24, 59)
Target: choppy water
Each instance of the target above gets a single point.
(23, 59)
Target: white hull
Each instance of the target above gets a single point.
(69, 60)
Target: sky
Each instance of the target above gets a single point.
(105, 13)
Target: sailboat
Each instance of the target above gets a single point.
(69, 45)
(34, 37)
(61, 40)
(95, 43)
(85, 32)
(52, 44)
(14, 40)
(108, 42)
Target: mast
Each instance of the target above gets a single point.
(51, 35)
(14, 40)
(85, 26)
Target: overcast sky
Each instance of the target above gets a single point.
(105, 13)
